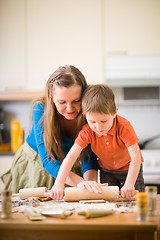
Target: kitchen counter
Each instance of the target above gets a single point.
(116, 226)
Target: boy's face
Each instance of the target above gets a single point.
(100, 123)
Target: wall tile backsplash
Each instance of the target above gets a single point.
(145, 120)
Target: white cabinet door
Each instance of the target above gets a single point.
(64, 32)
(132, 27)
(12, 45)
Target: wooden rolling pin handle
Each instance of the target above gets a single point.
(93, 213)
(136, 191)
(47, 194)
(32, 192)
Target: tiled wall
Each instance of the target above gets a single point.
(145, 120)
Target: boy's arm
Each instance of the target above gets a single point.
(65, 176)
(57, 191)
(68, 162)
(128, 189)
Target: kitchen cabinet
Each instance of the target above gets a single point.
(39, 36)
(132, 49)
(132, 27)
(12, 45)
(64, 32)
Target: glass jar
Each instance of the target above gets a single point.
(6, 204)
(152, 197)
(142, 206)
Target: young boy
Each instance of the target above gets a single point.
(112, 139)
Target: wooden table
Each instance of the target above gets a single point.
(75, 227)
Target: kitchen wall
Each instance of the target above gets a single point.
(38, 36)
(145, 120)
(141, 106)
(144, 116)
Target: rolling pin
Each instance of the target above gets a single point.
(33, 192)
(94, 213)
(76, 194)
(73, 193)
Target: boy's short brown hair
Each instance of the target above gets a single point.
(98, 98)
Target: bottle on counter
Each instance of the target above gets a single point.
(152, 198)
(6, 204)
(16, 135)
(142, 206)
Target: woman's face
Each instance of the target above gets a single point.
(68, 101)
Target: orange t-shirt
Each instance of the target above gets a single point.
(112, 149)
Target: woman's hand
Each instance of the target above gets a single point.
(57, 191)
(92, 186)
(128, 190)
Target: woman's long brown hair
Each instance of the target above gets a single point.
(64, 76)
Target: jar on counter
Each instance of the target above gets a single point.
(152, 197)
(142, 206)
(16, 135)
(6, 204)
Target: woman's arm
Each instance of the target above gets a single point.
(52, 167)
(36, 139)
(91, 175)
(89, 162)
(128, 189)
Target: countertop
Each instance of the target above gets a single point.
(115, 226)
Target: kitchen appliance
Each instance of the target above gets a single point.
(151, 167)
(124, 70)
(144, 143)
(4, 134)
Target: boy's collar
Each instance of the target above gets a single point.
(112, 131)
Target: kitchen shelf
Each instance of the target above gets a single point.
(6, 154)
(19, 96)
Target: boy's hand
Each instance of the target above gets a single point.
(91, 186)
(57, 191)
(127, 190)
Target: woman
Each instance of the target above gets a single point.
(56, 119)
